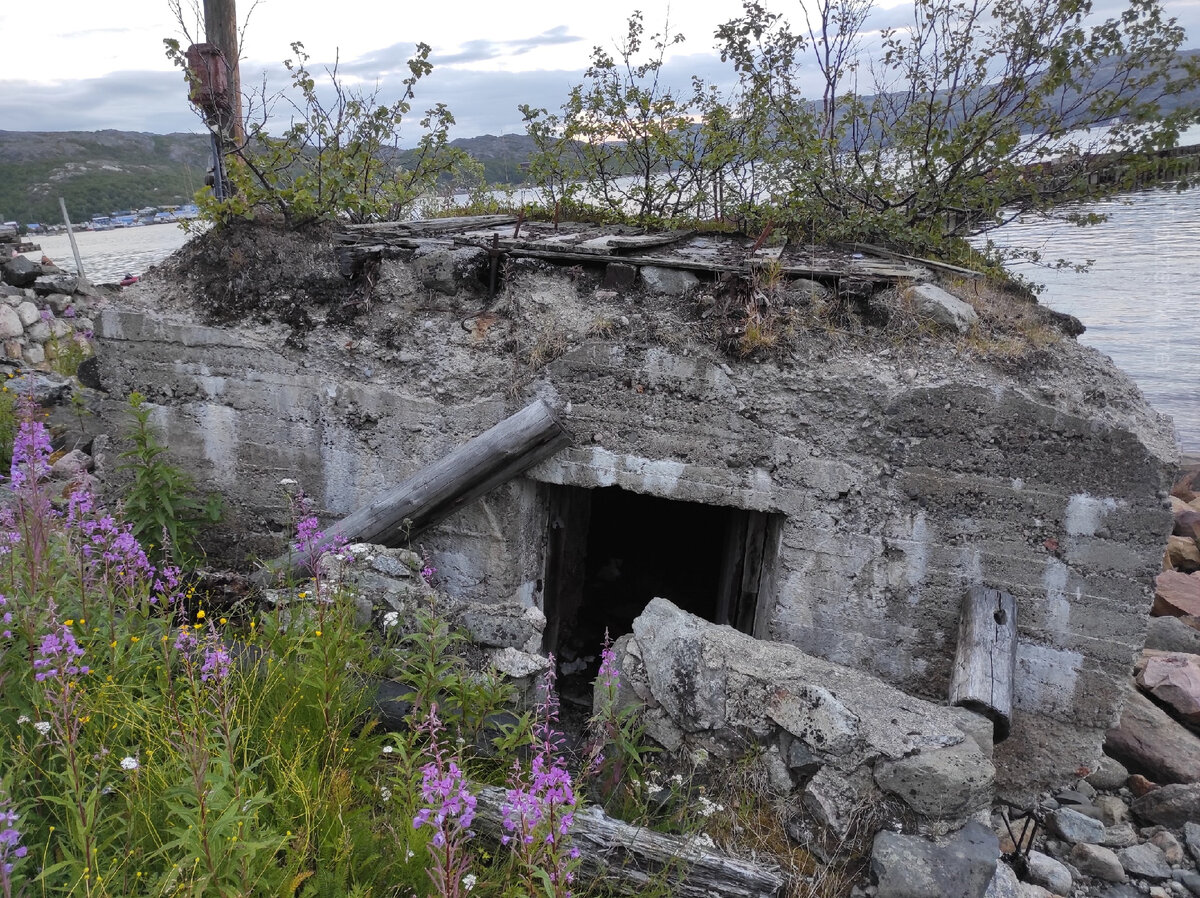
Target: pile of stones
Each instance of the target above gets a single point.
(42, 310)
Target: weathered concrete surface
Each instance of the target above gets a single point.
(905, 472)
(849, 739)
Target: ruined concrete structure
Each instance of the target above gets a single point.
(840, 492)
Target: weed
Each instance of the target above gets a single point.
(160, 502)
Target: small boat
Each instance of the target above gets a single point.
(129, 280)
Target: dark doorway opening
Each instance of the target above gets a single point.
(611, 551)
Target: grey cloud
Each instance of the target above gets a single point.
(126, 101)
(394, 58)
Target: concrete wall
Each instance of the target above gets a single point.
(903, 479)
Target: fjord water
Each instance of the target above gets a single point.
(1140, 299)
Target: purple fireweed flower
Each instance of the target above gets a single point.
(69, 312)
(6, 618)
(57, 655)
(427, 573)
(31, 451)
(185, 641)
(609, 676)
(216, 664)
(449, 804)
(10, 837)
(47, 314)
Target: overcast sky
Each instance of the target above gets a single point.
(89, 64)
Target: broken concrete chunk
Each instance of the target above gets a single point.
(944, 783)
(668, 281)
(910, 866)
(944, 308)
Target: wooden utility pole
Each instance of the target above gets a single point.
(220, 29)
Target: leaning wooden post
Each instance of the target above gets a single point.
(80, 276)
(438, 490)
(220, 30)
(986, 658)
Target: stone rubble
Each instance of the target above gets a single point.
(41, 308)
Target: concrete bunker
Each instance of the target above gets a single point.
(610, 551)
(891, 467)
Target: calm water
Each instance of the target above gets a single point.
(109, 255)
(1140, 300)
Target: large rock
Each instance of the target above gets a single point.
(1170, 634)
(55, 283)
(1073, 826)
(944, 308)
(1109, 774)
(20, 272)
(1145, 861)
(10, 323)
(1043, 870)
(1176, 594)
(1183, 554)
(1097, 861)
(719, 688)
(913, 867)
(1174, 805)
(448, 270)
(1148, 740)
(1173, 679)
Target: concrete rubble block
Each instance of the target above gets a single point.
(1172, 805)
(944, 308)
(718, 684)
(1147, 739)
(1097, 861)
(962, 866)
(55, 283)
(1145, 861)
(10, 323)
(1173, 679)
(20, 271)
(619, 276)
(502, 625)
(451, 269)
(943, 783)
(29, 313)
(1043, 870)
(668, 281)
(1072, 826)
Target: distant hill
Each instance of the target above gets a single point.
(96, 172)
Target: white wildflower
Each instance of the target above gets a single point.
(388, 749)
(42, 726)
(391, 619)
(129, 763)
(677, 779)
(707, 808)
(385, 793)
(287, 481)
(468, 882)
(704, 840)
(24, 718)
(408, 855)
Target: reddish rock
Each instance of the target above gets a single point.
(1174, 679)
(1187, 521)
(1187, 486)
(1176, 594)
(1139, 785)
(1149, 741)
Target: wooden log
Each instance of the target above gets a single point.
(438, 490)
(631, 859)
(986, 657)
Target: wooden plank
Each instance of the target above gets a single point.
(438, 490)
(634, 859)
(931, 263)
(986, 656)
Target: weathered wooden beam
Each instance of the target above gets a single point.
(631, 859)
(438, 490)
(986, 656)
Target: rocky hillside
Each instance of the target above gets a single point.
(96, 172)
